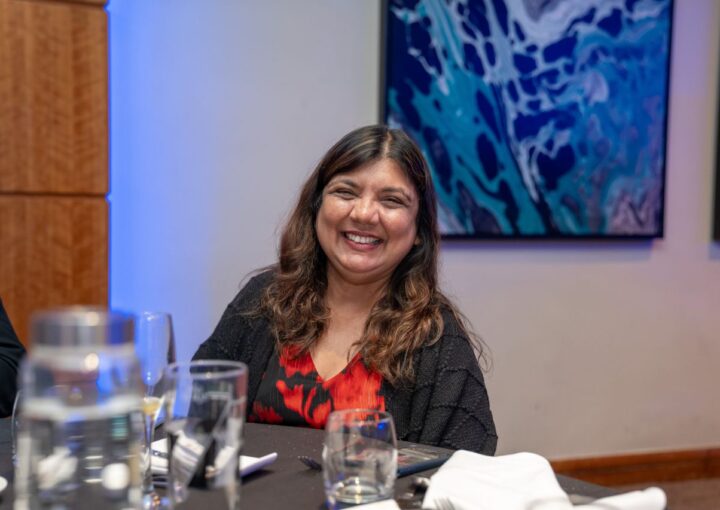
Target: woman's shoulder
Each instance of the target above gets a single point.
(452, 325)
(250, 294)
(454, 341)
(260, 279)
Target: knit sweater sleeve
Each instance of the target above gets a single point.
(232, 339)
(450, 405)
(459, 406)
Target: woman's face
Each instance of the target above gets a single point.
(366, 223)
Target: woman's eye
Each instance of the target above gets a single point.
(344, 192)
(393, 201)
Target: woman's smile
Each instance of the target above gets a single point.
(362, 241)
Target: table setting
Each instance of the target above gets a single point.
(288, 483)
(85, 437)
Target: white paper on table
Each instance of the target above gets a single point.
(248, 464)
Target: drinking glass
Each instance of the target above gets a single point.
(204, 414)
(155, 348)
(15, 424)
(79, 432)
(359, 457)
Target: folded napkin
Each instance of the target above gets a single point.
(651, 498)
(247, 464)
(385, 504)
(521, 481)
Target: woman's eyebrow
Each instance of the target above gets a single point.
(346, 181)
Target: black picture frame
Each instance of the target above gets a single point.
(716, 220)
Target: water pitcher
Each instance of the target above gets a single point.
(79, 436)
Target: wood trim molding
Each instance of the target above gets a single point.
(643, 467)
(98, 3)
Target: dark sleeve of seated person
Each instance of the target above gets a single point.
(448, 404)
(11, 351)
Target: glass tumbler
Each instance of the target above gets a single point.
(359, 457)
(204, 414)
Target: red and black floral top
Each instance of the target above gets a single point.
(293, 393)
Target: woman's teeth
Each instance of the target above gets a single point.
(362, 239)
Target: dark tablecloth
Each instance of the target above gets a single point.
(284, 485)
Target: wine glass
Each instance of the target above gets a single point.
(155, 348)
(15, 424)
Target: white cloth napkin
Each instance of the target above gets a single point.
(247, 465)
(386, 504)
(521, 481)
(652, 498)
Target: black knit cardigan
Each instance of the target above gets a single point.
(447, 405)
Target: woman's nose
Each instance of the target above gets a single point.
(364, 211)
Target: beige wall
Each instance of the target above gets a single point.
(219, 110)
(614, 347)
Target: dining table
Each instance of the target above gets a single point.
(286, 483)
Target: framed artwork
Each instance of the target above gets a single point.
(539, 118)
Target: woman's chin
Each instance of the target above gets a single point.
(361, 273)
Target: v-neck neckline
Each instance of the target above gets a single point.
(320, 378)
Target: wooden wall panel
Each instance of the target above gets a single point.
(53, 97)
(53, 155)
(54, 252)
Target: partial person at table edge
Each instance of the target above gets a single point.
(11, 352)
(351, 315)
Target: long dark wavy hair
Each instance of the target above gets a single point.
(409, 315)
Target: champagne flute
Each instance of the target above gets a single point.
(155, 348)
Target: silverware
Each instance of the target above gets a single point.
(310, 462)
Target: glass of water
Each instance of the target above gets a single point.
(204, 414)
(359, 457)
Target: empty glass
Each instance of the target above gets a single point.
(359, 457)
(155, 348)
(204, 414)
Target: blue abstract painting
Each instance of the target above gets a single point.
(539, 118)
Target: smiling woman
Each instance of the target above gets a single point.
(351, 315)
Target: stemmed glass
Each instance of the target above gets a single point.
(15, 425)
(155, 348)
